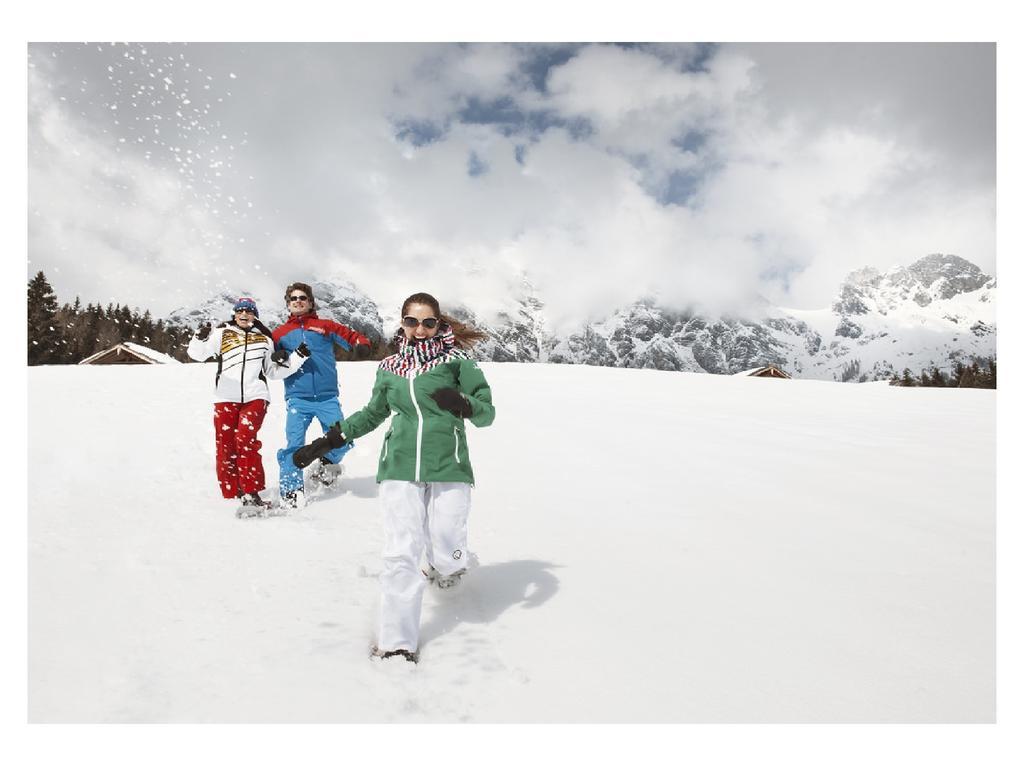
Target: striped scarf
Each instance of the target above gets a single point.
(414, 358)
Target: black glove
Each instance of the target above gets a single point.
(334, 437)
(307, 454)
(280, 356)
(452, 400)
(204, 332)
(302, 350)
(361, 351)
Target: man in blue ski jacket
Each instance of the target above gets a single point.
(312, 392)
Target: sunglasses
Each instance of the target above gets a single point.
(428, 322)
(298, 298)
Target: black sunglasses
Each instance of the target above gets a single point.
(411, 322)
(298, 298)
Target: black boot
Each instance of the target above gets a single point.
(253, 505)
(412, 656)
(293, 499)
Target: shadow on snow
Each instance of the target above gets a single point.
(487, 592)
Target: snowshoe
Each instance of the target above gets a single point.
(293, 500)
(253, 506)
(377, 653)
(444, 582)
(326, 472)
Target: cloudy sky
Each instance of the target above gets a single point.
(161, 174)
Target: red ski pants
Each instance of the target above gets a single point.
(239, 464)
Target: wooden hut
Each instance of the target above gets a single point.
(767, 372)
(128, 353)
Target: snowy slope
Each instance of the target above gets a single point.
(653, 547)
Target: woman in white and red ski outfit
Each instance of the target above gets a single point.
(244, 351)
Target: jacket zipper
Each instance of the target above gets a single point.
(419, 426)
(245, 351)
(457, 445)
(312, 368)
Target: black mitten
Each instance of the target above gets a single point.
(361, 352)
(334, 436)
(280, 356)
(307, 454)
(302, 350)
(204, 332)
(452, 400)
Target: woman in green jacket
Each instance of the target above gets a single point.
(430, 386)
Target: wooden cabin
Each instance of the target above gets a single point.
(128, 353)
(767, 372)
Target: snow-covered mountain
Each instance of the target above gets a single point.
(937, 311)
(339, 301)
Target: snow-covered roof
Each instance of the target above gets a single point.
(144, 353)
(152, 354)
(760, 368)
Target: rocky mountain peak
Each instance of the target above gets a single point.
(946, 275)
(935, 277)
(347, 304)
(338, 301)
(865, 276)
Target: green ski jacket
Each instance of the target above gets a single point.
(423, 443)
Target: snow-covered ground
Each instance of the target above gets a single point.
(653, 547)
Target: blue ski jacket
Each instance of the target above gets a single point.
(317, 379)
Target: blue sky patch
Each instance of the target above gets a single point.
(705, 52)
(545, 58)
(511, 120)
(500, 111)
(476, 166)
(680, 188)
(418, 132)
(691, 141)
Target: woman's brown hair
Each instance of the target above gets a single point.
(465, 335)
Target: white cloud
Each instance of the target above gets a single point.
(109, 225)
(780, 195)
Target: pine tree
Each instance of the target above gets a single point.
(146, 328)
(850, 371)
(91, 331)
(908, 379)
(68, 319)
(958, 374)
(968, 379)
(45, 337)
(124, 318)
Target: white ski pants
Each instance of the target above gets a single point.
(419, 518)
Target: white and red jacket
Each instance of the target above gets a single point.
(243, 362)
